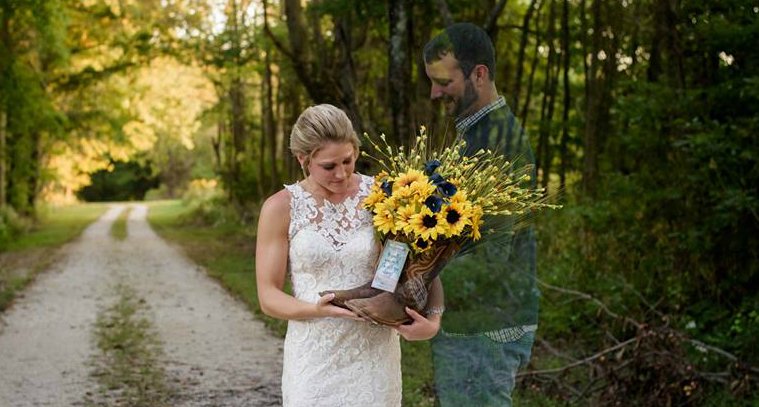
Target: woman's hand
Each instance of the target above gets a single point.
(326, 309)
(421, 328)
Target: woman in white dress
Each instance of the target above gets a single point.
(317, 230)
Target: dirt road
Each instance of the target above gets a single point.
(210, 351)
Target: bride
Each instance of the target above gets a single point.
(317, 230)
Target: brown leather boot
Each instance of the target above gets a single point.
(413, 289)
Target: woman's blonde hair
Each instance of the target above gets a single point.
(318, 125)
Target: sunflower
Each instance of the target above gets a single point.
(375, 196)
(459, 196)
(384, 217)
(421, 246)
(407, 178)
(421, 189)
(427, 225)
(457, 216)
(403, 217)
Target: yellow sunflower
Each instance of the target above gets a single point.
(375, 196)
(459, 196)
(421, 246)
(384, 217)
(427, 225)
(407, 178)
(457, 216)
(421, 189)
(403, 217)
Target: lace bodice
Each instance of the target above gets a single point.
(335, 361)
(336, 222)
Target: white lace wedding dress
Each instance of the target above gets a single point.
(334, 361)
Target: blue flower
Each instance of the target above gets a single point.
(446, 189)
(430, 167)
(437, 179)
(387, 188)
(433, 202)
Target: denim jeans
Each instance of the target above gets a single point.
(476, 371)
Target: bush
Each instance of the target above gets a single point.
(11, 225)
(207, 204)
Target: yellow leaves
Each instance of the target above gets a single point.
(141, 135)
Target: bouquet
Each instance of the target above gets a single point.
(427, 205)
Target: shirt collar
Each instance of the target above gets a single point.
(464, 123)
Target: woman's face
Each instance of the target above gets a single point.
(331, 167)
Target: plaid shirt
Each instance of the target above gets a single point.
(464, 123)
(495, 127)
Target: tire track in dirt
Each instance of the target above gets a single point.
(215, 353)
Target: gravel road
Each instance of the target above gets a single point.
(214, 352)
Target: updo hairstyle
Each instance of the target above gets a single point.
(318, 125)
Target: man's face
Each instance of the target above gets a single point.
(449, 85)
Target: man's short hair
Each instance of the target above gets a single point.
(470, 44)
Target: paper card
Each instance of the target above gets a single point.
(390, 266)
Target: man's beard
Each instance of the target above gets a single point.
(466, 101)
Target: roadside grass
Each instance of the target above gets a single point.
(127, 367)
(119, 226)
(27, 255)
(227, 252)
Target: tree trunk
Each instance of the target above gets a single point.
(5, 64)
(399, 71)
(3, 155)
(522, 51)
(270, 128)
(293, 107)
(323, 82)
(563, 148)
(346, 75)
(491, 26)
(535, 62)
(258, 152)
(592, 115)
(237, 103)
(216, 145)
(549, 96)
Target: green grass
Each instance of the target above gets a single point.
(119, 226)
(57, 226)
(30, 253)
(227, 252)
(127, 367)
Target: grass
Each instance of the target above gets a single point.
(227, 252)
(127, 367)
(27, 255)
(119, 226)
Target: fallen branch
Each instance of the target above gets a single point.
(579, 362)
(596, 301)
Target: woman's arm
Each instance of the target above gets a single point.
(425, 328)
(272, 247)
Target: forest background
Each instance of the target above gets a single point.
(642, 113)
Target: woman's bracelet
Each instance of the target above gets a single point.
(435, 311)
